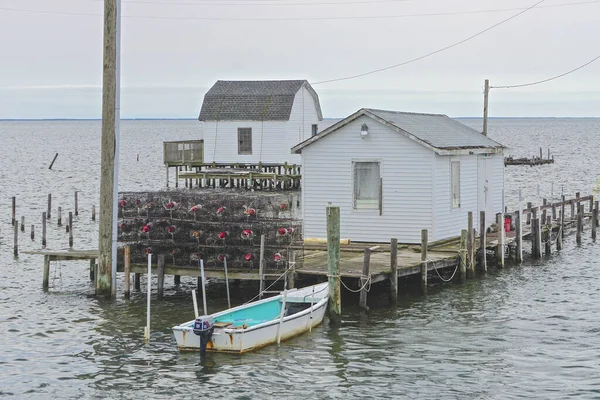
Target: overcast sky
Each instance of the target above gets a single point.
(174, 50)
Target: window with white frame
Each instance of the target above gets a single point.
(455, 183)
(244, 140)
(367, 187)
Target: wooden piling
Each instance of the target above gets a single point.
(333, 264)
(127, 262)
(548, 241)
(160, 272)
(14, 210)
(394, 275)
(16, 241)
(291, 277)
(544, 202)
(500, 246)
(46, 272)
(22, 223)
(70, 229)
(470, 245)
(464, 238)
(76, 205)
(579, 226)
(177, 280)
(482, 242)
(53, 160)
(529, 206)
(424, 241)
(554, 211)
(44, 230)
(519, 236)
(364, 279)
(594, 220)
(49, 206)
(92, 269)
(32, 232)
(261, 267)
(59, 216)
(93, 213)
(137, 278)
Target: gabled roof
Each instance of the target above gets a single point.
(253, 100)
(437, 132)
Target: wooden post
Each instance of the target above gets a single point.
(544, 202)
(14, 210)
(127, 260)
(76, 205)
(394, 275)
(22, 223)
(464, 239)
(500, 246)
(594, 220)
(177, 280)
(470, 245)
(44, 230)
(482, 244)
(486, 93)
(46, 272)
(519, 236)
(161, 275)
(93, 213)
(579, 226)
(364, 279)
(424, 241)
(32, 232)
(70, 229)
(49, 205)
(529, 205)
(548, 244)
(59, 216)
(54, 159)
(16, 241)
(92, 269)
(137, 281)
(333, 264)
(261, 267)
(291, 277)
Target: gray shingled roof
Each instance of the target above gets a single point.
(436, 131)
(439, 130)
(253, 100)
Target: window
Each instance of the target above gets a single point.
(367, 185)
(315, 127)
(244, 140)
(455, 183)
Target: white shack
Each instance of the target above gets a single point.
(395, 173)
(258, 121)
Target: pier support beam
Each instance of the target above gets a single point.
(394, 275)
(364, 279)
(464, 236)
(424, 241)
(46, 272)
(482, 243)
(470, 261)
(333, 264)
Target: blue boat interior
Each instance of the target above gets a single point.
(252, 315)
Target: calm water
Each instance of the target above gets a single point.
(528, 331)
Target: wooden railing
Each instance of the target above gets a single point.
(184, 152)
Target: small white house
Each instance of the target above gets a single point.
(258, 121)
(394, 173)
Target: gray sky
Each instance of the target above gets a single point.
(51, 63)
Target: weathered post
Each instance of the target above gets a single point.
(579, 225)
(44, 230)
(548, 242)
(49, 205)
(127, 260)
(544, 202)
(529, 207)
(14, 210)
(177, 280)
(464, 237)
(486, 93)
(93, 213)
(261, 267)
(22, 223)
(333, 264)
(291, 277)
(470, 244)
(554, 211)
(160, 271)
(71, 229)
(594, 220)
(137, 278)
(500, 246)
(46, 272)
(424, 241)
(482, 244)
(53, 160)
(519, 237)
(59, 222)
(16, 241)
(394, 275)
(32, 232)
(92, 269)
(364, 279)
(76, 205)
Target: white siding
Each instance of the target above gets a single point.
(271, 140)
(497, 186)
(450, 221)
(407, 172)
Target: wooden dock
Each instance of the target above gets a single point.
(535, 160)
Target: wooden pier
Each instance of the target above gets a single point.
(510, 160)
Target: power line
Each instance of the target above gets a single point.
(429, 54)
(549, 79)
(271, 3)
(451, 13)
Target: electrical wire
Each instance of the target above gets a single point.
(277, 4)
(549, 79)
(360, 17)
(428, 54)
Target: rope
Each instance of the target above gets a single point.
(269, 287)
(454, 273)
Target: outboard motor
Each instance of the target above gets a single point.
(204, 327)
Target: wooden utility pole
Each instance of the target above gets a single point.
(486, 93)
(105, 282)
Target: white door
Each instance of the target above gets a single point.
(484, 192)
